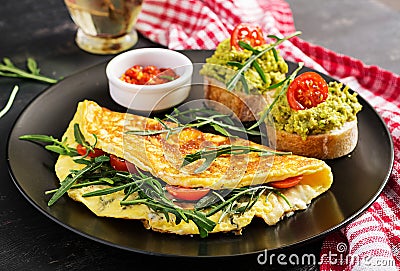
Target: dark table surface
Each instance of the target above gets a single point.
(29, 240)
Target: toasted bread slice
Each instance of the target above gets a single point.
(245, 106)
(329, 145)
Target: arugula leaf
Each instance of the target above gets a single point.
(32, 66)
(204, 224)
(57, 147)
(41, 138)
(8, 69)
(79, 138)
(8, 62)
(60, 150)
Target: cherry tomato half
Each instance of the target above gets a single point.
(306, 91)
(248, 33)
(92, 154)
(121, 164)
(189, 194)
(286, 183)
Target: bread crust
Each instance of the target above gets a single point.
(329, 145)
(245, 106)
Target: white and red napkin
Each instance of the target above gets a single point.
(371, 242)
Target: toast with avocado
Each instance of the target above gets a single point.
(314, 118)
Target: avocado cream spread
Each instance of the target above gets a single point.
(340, 107)
(217, 66)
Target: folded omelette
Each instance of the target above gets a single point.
(160, 155)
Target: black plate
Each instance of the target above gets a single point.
(358, 180)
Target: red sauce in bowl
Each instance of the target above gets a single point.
(148, 75)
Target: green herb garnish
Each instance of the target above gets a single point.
(8, 69)
(252, 59)
(60, 147)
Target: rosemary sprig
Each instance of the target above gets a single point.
(211, 153)
(255, 55)
(285, 84)
(8, 69)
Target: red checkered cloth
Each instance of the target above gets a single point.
(373, 239)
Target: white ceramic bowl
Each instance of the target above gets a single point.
(150, 97)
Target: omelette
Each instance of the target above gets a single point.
(240, 186)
